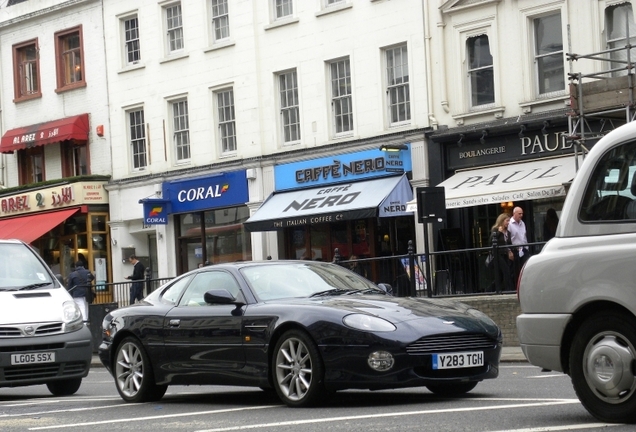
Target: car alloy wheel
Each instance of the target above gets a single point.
(133, 373)
(298, 369)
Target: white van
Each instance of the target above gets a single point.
(43, 339)
(578, 296)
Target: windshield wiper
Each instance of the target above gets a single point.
(332, 291)
(34, 286)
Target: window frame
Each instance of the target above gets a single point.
(227, 142)
(133, 140)
(391, 89)
(284, 4)
(26, 159)
(472, 92)
(75, 155)
(60, 50)
(536, 57)
(337, 99)
(215, 21)
(18, 61)
(127, 42)
(180, 128)
(289, 103)
(170, 30)
(621, 40)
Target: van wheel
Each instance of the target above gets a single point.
(133, 373)
(65, 387)
(603, 366)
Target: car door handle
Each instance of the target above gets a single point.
(174, 322)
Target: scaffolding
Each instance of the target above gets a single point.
(607, 96)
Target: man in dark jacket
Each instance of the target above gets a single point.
(80, 287)
(138, 276)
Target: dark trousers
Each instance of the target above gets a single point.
(136, 292)
(503, 277)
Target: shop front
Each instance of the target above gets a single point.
(65, 223)
(355, 203)
(208, 214)
(490, 169)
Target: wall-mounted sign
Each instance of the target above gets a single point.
(342, 168)
(52, 198)
(203, 193)
(156, 211)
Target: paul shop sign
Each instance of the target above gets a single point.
(203, 193)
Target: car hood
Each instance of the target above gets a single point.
(41, 305)
(402, 309)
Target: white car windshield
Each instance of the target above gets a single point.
(23, 270)
(304, 279)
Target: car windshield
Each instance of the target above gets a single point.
(304, 279)
(23, 270)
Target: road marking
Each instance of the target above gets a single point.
(402, 414)
(548, 376)
(563, 427)
(65, 410)
(129, 420)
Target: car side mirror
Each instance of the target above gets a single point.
(388, 289)
(221, 296)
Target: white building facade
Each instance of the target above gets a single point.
(216, 106)
(55, 147)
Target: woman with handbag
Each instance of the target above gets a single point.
(503, 254)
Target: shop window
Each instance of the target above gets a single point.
(69, 52)
(31, 165)
(74, 159)
(26, 70)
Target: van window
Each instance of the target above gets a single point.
(610, 194)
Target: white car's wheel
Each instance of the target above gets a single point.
(603, 366)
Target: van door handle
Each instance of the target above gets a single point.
(174, 322)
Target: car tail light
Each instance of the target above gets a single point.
(519, 280)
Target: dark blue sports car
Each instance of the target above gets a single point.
(302, 328)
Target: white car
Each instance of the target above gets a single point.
(43, 339)
(578, 296)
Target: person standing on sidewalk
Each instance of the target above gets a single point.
(137, 277)
(519, 238)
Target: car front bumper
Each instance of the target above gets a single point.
(73, 355)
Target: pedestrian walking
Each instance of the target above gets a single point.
(503, 254)
(80, 286)
(137, 277)
(519, 238)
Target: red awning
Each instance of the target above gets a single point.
(32, 227)
(45, 133)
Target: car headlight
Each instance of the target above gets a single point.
(368, 323)
(72, 316)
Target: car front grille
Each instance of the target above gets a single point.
(30, 330)
(19, 373)
(450, 343)
(33, 347)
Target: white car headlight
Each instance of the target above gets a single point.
(72, 316)
(368, 323)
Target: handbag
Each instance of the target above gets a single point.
(489, 259)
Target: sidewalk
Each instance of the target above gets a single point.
(508, 354)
